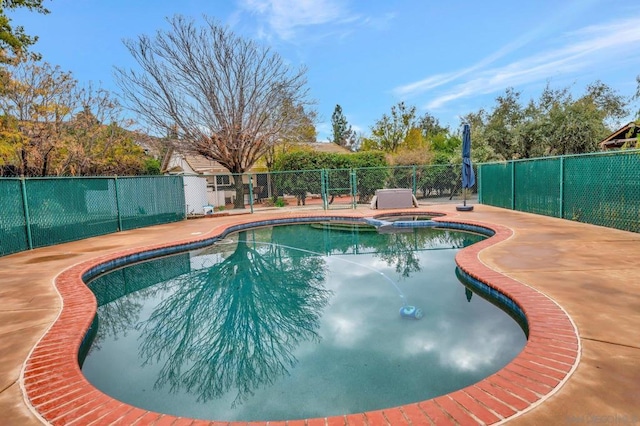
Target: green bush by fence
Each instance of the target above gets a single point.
(601, 189)
(39, 212)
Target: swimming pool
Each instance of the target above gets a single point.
(330, 305)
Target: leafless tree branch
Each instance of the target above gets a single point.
(226, 95)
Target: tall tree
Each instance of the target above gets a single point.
(502, 123)
(430, 126)
(636, 97)
(40, 98)
(301, 131)
(52, 126)
(390, 131)
(482, 151)
(342, 134)
(225, 94)
(96, 142)
(556, 123)
(14, 43)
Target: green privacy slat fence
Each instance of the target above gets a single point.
(496, 184)
(601, 189)
(68, 209)
(13, 231)
(604, 190)
(537, 185)
(150, 200)
(38, 212)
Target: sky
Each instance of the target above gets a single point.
(447, 58)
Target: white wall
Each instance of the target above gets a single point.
(195, 194)
(216, 198)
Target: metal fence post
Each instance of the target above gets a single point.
(25, 207)
(115, 179)
(513, 185)
(354, 189)
(479, 183)
(414, 180)
(251, 192)
(182, 197)
(561, 187)
(323, 190)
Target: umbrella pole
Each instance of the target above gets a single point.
(468, 178)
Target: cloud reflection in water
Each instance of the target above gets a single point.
(256, 330)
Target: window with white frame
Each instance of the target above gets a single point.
(223, 180)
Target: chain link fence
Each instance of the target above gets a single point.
(39, 212)
(331, 188)
(601, 189)
(150, 200)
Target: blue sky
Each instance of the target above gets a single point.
(445, 58)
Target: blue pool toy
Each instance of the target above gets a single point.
(408, 311)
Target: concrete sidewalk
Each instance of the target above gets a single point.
(592, 272)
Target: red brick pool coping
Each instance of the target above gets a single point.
(60, 395)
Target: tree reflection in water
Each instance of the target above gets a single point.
(401, 249)
(234, 325)
(120, 294)
(229, 328)
(398, 248)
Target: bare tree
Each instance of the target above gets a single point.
(224, 93)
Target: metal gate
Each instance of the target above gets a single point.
(339, 189)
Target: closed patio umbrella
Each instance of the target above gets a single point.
(468, 176)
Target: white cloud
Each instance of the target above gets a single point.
(437, 80)
(441, 79)
(285, 17)
(345, 331)
(380, 22)
(586, 49)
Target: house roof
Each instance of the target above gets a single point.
(327, 147)
(627, 134)
(200, 164)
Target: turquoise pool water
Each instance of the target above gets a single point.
(296, 321)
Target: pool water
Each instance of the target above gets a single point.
(296, 321)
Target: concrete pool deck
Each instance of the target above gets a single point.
(591, 272)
